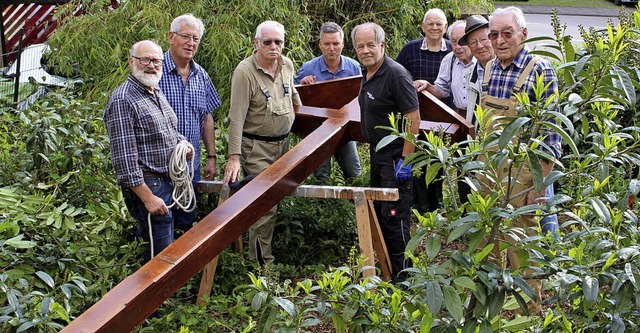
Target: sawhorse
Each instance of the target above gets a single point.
(369, 234)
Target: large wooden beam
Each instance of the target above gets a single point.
(139, 295)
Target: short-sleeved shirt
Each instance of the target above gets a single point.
(249, 102)
(318, 68)
(192, 101)
(142, 130)
(423, 64)
(389, 91)
(502, 81)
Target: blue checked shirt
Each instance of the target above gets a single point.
(191, 101)
(317, 67)
(142, 131)
(502, 81)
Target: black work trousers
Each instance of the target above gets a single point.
(393, 216)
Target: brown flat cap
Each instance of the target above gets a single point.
(474, 22)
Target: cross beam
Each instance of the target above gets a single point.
(130, 302)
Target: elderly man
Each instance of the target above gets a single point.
(192, 96)
(451, 80)
(263, 101)
(387, 88)
(476, 37)
(422, 58)
(515, 70)
(333, 65)
(143, 133)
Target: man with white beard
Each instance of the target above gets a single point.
(143, 133)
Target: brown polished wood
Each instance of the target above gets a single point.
(323, 127)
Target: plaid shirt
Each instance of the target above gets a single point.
(502, 81)
(142, 131)
(191, 101)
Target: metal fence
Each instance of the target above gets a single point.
(10, 83)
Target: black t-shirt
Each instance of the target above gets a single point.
(390, 90)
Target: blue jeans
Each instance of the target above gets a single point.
(161, 225)
(182, 220)
(348, 160)
(549, 223)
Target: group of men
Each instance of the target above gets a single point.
(168, 98)
(488, 66)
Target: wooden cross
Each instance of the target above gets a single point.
(329, 117)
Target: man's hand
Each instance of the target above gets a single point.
(156, 206)
(402, 172)
(210, 169)
(534, 197)
(232, 169)
(190, 152)
(421, 85)
(309, 79)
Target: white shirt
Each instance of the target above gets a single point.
(452, 82)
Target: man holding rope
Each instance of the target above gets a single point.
(143, 136)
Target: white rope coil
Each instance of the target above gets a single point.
(183, 195)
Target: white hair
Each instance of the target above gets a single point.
(518, 16)
(273, 24)
(438, 12)
(187, 20)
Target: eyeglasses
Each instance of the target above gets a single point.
(493, 35)
(268, 42)
(146, 61)
(187, 38)
(477, 42)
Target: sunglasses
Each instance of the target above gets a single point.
(493, 35)
(268, 42)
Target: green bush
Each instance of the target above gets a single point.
(64, 235)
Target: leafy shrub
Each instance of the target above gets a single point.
(64, 234)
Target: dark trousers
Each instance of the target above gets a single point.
(393, 216)
(427, 198)
(161, 225)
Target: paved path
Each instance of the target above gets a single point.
(578, 11)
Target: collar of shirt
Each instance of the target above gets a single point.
(170, 66)
(425, 45)
(461, 64)
(380, 70)
(520, 61)
(257, 65)
(325, 68)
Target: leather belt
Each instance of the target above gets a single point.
(152, 174)
(265, 138)
(461, 111)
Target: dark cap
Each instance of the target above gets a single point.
(474, 22)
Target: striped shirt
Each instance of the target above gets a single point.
(142, 131)
(502, 81)
(191, 101)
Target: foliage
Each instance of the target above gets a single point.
(100, 54)
(64, 232)
(590, 271)
(63, 237)
(308, 225)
